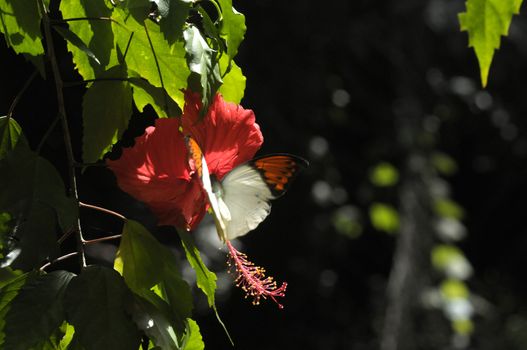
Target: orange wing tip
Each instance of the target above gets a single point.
(279, 170)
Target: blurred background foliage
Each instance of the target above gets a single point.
(414, 168)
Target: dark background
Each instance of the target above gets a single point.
(338, 82)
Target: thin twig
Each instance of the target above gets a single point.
(83, 19)
(60, 258)
(128, 46)
(158, 68)
(104, 210)
(87, 81)
(64, 121)
(102, 239)
(20, 93)
(64, 236)
(47, 133)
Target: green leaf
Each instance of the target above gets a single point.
(447, 208)
(35, 198)
(193, 339)
(486, 21)
(95, 305)
(141, 58)
(52, 343)
(444, 164)
(384, 175)
(73, 39)
(144, 262)
(206, 280)
(107, 108)
(7, 275)
(234, 81)
(20, 24)
(10, 134)
(173, 15)
(139, 9)
(8, 291)
(202, 61)
(69, 330)
(96, 34)
(152, 316)
(145, 93)
(141, 256)
(463, 326)
(453, 289)
(232, 27)
(39, 300)
(177, 293)
(384, 217)
(443, 254)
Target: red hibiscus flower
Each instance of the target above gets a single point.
(156, 169)
(228, 135)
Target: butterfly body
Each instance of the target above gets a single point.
(241, 200)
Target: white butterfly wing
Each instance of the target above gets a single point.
(247, 197)
(216, 204)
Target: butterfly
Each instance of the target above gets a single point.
(241, 201)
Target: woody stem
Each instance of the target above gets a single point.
(64, 121)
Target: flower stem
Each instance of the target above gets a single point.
(64, 121)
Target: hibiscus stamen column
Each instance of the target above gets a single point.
(251, 278)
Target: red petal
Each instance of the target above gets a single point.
(156, 171)
(228, 134)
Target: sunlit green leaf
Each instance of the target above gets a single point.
(193, 339)
(139, 9)
(141, 258)
(39, 300)
(145, 93)
(486, 21)
(51, 343)
(384, 175)
(232, 27)
(464, 327)
(202, 61)
(449, 209)
(443, 254)
(20, 24)
(107, 108)
(206, 280)
(73, 39)
(452, 289)
(141, 59)
(35, 197)
(10, 134)
(96, 34)
(95, 303)
(233, 86)
(145, 263)
(69, 330)
(384, 217)
(173, 15)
